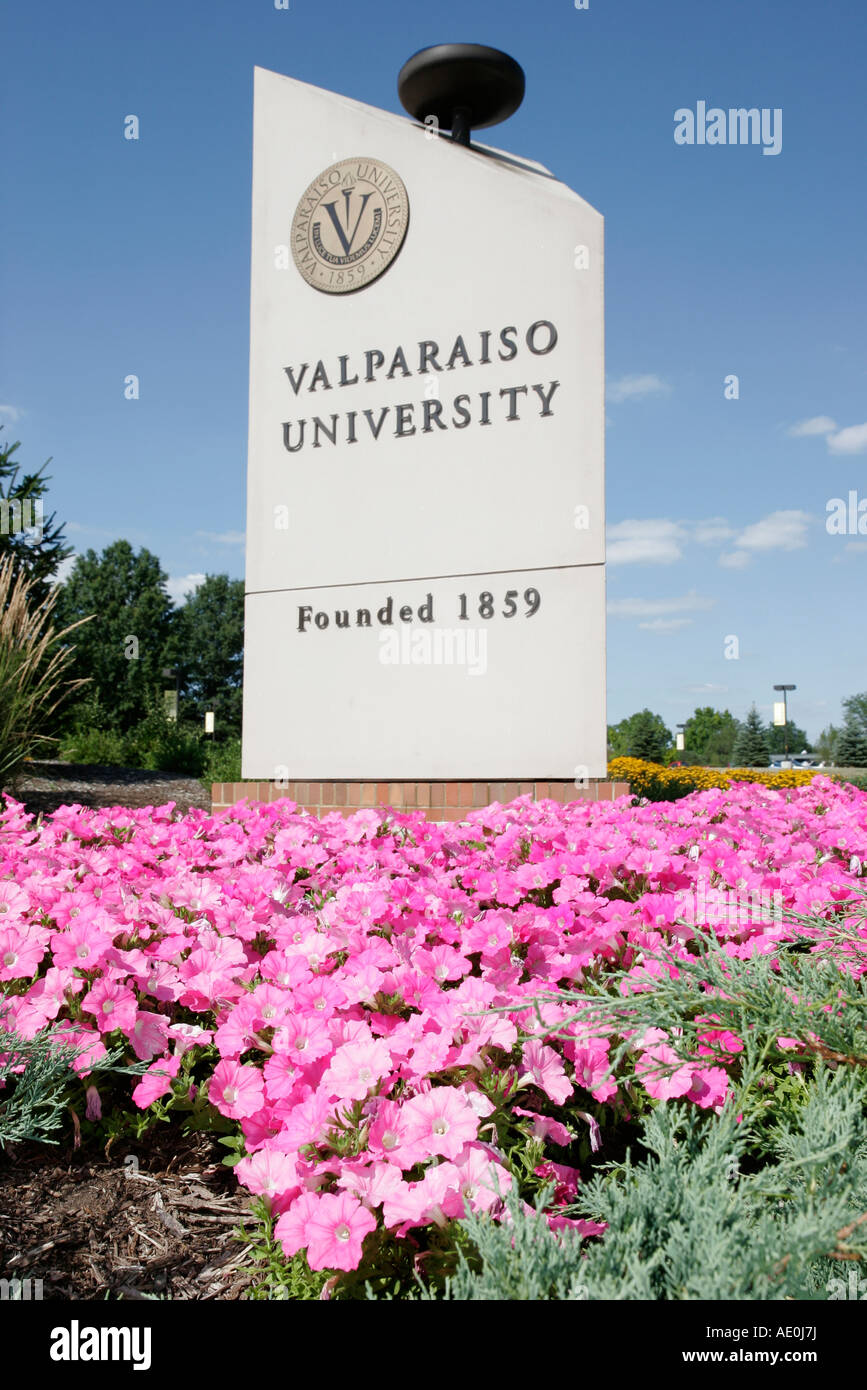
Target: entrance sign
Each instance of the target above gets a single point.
(425, 504)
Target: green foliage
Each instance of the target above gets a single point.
(518, 1259)
(687, 1222)
(826, 743)
(222, 762)
(851, 747)
(709, 737)
(642, 735)
(156, 743)
(37, 553)
(751, 745)
(764, 1200)
(33, 1101)
(273, 1275)
(123, 650)
(798, 741)
(855, 709)
(207, 647)
(33, 667)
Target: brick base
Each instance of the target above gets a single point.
(440, 801)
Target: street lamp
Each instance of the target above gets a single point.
(680, 738)
(785, 713)
(172, 707)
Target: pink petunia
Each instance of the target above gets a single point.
(440, 1122)
(545, 1069)
(271, 1174)
(591, 1063)
(112, 1005)
(291, 1229)
(156, 1082)
(545, 1128)
(236, 1090)
(148, 1034)
(335, 1229)
(355, 1069)
(662, 1074)
(19, 954)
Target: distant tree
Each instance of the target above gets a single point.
(207, 648)
(751, 745)
(855, 708)
(124, 649)
(647, 737)
(851, 749)
(709, 735)
(32, 539)
(796, 738)
(825, 745)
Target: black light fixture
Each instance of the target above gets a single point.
(465, 86)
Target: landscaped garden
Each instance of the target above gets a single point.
(551, 1052)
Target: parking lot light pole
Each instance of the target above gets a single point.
(784, 688)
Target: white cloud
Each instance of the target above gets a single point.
(851, 440)
(630, 388)
(713, 531)
(65, 568)
(658, 607)
(11, 412)
(785, 530)
(735, 559)
(818, 424)
(666, 624)
(655, 542)
(857, 546)
(223, 537)
(707, 689)
(179, 589)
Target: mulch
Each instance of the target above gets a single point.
(44, 786)
(156, 1221)
(163, 1223)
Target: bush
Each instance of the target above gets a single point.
(222, 762)
(156, 743)
(32, 667)
(687, 1223)
(658, 783)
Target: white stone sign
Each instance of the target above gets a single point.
(425, 507)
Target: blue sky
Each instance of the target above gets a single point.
(127, 257)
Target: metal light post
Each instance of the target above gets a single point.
(680, 738)
(784, 688)
(168, 672)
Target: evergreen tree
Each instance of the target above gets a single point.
(851, 749)
(855, 708)
(751, 744)
(32, 539)
(647, 737)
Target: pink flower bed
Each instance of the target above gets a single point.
(339, 976)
